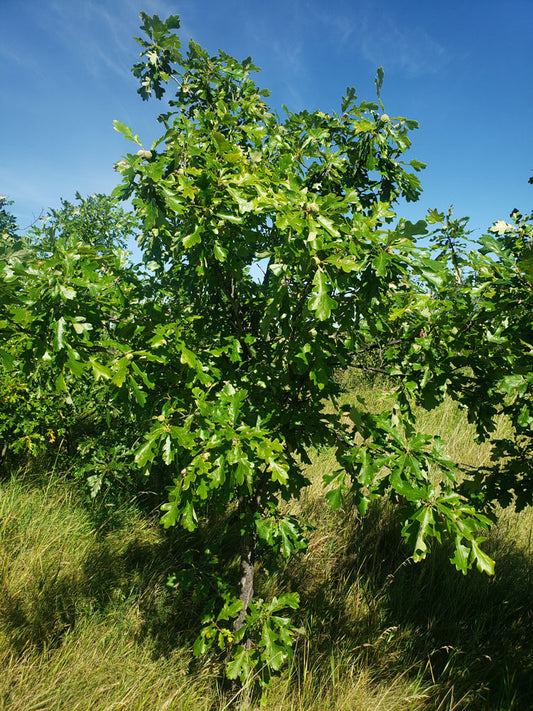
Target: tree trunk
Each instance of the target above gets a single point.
(247, 507)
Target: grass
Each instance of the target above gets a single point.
(88, 622)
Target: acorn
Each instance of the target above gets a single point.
(144, 154)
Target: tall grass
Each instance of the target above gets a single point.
(88, 622)
(72, 595)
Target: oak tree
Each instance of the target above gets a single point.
(272, 259)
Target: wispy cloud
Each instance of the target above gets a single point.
(94, 32)
(100, 33)
(278, 46)
(21, 60)
(411, 50)
(340, 25)
(381, 38)
(290, 57)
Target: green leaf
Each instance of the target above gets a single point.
(278, 471)
(176, 203)
(335, 498)
(201, 645)
(274, 654)
(144, 453)
(67, 292)
(328, 225)
(379, 80)
(240, 665)
(60, 383)
(426, 521)
(220, 253)
(120, 374)
(20, 314)
(461, 555)
(222, 144)
(75, 366)
(320, 301)
(381, 262)
(434, 272)
(411, 229)
(126, 132)
(291, 599)
(142, 374)
(290, 538)
(435, 217)
(188, 358)
(81, 327)
(168, 452)
(227, 217)
(348, 99)
(511, 384)
(170, 518)
(101, 371)
(501, 227)
(244, 204)
(230, 610)
(266, 529)
(189, 518)
(59, 334)
(8, 359)
(193, 238)
(484, 563)
(139, 395)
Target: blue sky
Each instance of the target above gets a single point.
(462, 69)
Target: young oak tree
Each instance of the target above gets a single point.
(53, 282)
(8, 223)
(273, 260)
(486, 366)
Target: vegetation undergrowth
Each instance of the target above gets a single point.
(89, 621)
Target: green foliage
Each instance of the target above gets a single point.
(30, 423)
(449, 238)
(97, 220)
(272, 258)
(54, 288)
(503, 292)
(160, 51)
(8, 223)
(476, 347)
(263, 645)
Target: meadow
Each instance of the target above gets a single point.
(89, 621)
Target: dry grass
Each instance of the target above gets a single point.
(99, 666)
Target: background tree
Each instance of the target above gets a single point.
(54, 282)
(479, 331)
(96, 220)
(494, 329)
(8, 223)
